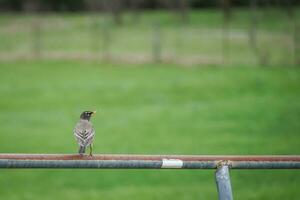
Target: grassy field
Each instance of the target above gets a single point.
(148, 109)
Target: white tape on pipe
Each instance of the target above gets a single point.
(172, 163)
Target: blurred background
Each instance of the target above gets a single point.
(166, 77)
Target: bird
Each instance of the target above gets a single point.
(84, 132)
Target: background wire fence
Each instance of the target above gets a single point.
(265, 35)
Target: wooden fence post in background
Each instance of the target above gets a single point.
(33, 6)
(295, 32)
(94, 7)
(106, 38)
(36, 36)
(253, 28)
(297, 44)
(156, 43)
(94, 27)
(264, 53)
(225, 29)
(179, 45)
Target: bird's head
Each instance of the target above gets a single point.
(87, 115)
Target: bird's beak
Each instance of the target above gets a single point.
(94, 112)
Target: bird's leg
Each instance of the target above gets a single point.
(91, 150)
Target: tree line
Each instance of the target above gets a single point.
(86, 5)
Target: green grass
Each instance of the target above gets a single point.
(148, 109)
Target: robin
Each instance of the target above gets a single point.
(84, 132)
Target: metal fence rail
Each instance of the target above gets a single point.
(222, 164)
(147, 161)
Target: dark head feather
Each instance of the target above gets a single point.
(87, 115)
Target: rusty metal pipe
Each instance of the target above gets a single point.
(146, 161)
(269, 158)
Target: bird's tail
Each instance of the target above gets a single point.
(81, 150)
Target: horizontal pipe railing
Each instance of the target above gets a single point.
(109, 161)
(115, 161)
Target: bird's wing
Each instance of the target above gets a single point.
(79, 135)
(90, 136)
(84, 133)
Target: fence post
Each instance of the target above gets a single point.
(94, 29)
(156, 43)
(296, 44)
(253, 28)
(226, 9)
(223, 182)
(106, 35)
(36, 36)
